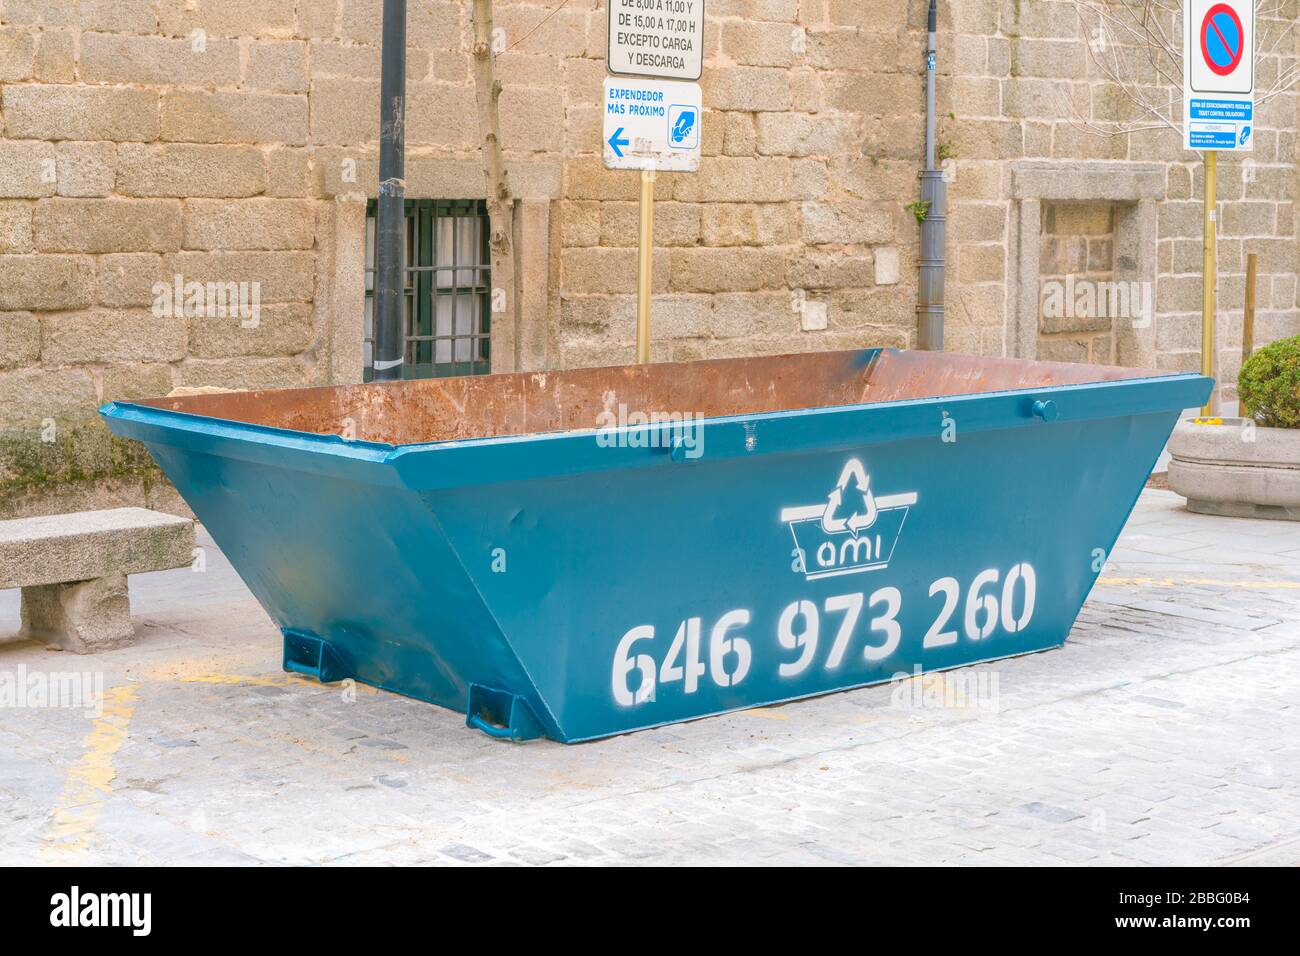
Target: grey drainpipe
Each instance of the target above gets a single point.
(390, 214)
(934, 191)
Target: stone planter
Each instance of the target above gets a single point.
(1236, 469)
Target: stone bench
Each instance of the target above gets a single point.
(73, 567)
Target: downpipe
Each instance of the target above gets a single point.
(934, 227)
(389, 348)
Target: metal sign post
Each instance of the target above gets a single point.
(652, 124)
(1208, 276)
(1218, 116)
(645, 253)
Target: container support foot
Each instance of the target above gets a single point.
(500, 713)
(310, 656)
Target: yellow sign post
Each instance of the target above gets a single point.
(645, 259)
(652, 118)
(1208, 277)
(1218, 115)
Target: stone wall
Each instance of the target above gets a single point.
(1021, 69)
(236, 141)
(793, 235)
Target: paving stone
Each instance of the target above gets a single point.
(1151, 738)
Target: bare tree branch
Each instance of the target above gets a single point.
(1126, 37)
(500, 202)
(540, 23)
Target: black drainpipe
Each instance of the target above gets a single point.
(934, 196)
(390, 224)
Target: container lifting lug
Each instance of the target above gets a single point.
(1046, 410)
(310, 656)
(499, 713)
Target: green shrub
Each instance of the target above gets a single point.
(1269, 385)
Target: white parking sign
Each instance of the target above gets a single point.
(1218, 74)
(652, 124)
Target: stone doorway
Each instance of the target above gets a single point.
(1083, 263)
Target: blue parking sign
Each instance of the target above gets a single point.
(683, 127)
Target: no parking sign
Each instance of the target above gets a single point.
(1218, 74)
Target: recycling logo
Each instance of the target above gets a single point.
(861, 507)
(853, 530)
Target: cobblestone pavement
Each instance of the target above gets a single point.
(1167, 731)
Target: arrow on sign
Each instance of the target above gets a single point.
(617, 140)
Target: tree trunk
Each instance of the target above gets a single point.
(500, 202)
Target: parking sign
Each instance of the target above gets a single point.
(1218, 74)
(652, 124)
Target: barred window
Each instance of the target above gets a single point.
(447, 288)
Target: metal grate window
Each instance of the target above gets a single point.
(447, 292)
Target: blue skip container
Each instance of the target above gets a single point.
(583, 553)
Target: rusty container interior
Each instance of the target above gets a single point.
(491, 406)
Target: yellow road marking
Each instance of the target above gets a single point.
(1245, 585)
(249, 680)
(89, 781)
(766, 713)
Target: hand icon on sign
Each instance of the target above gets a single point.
(682, 128)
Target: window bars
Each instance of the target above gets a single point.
(447, 290)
